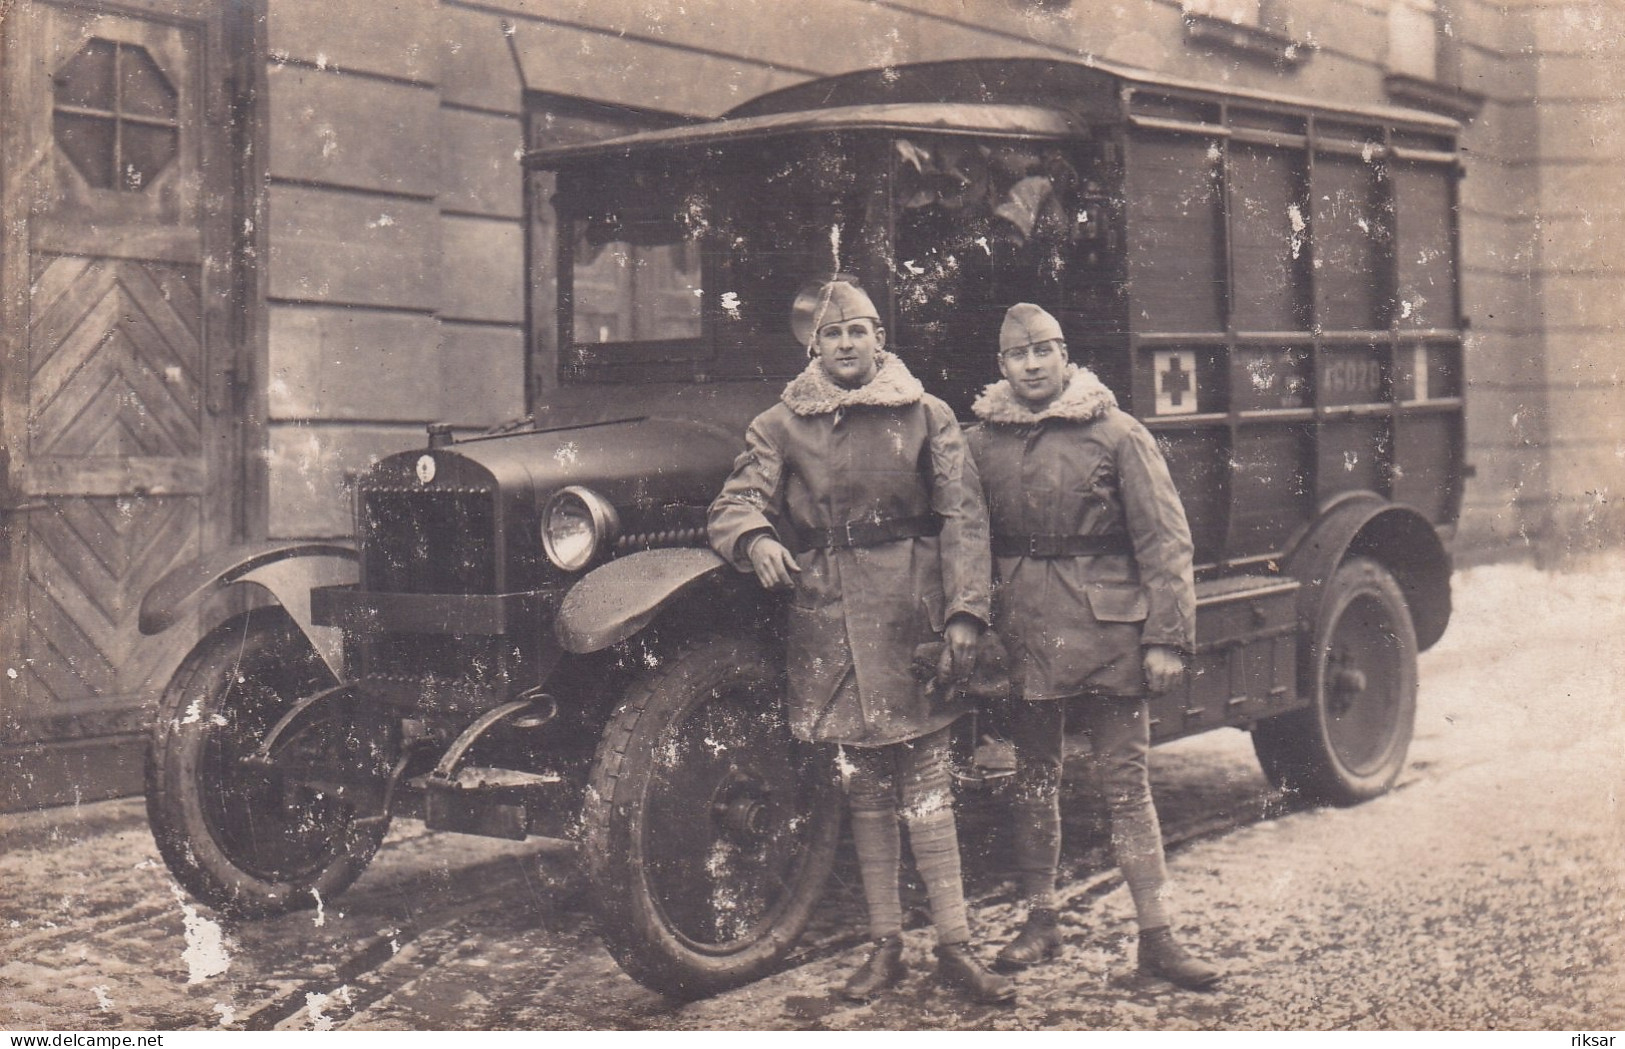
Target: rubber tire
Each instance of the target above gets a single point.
(204, 807)
(645, 821)
(1350, 744)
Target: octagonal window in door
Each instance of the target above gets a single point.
(116, 115)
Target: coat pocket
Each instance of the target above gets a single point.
(817, 653)
(1118, 604)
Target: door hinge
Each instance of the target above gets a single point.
(10, 500)
(224, 389)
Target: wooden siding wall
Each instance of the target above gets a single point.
(396, 234)
(395, 247)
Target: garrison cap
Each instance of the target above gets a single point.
(1026, 325)
(831, 302)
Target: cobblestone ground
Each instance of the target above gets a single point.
(1485, 892)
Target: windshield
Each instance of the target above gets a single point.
(684, 265)
(681, 264)
(636, 279)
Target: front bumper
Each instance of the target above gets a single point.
(361, 612)
(442, 654)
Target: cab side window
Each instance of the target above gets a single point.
(555, 120)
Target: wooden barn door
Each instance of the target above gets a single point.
(121, 335)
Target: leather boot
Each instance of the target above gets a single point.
(882, 969)
(1161, 957)
(1037, 942)
(958, 968)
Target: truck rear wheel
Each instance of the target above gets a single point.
(1350, 744)
(240, 838)
(709, 832)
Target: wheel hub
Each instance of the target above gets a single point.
(1349, 681)
(1345, 683)
(741, 808)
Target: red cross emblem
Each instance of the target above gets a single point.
(1175, 375)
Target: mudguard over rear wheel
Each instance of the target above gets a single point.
(236, 835)
(1350, 743)
(709, 831)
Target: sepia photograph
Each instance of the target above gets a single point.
(812, 515)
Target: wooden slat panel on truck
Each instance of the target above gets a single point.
(1246, 657)
(1270, 238)
(1351, 231)
(1176, 267)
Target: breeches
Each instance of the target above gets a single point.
(909, 782)
(1120, 744)
(908, 778)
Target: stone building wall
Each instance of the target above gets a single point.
(395, 221)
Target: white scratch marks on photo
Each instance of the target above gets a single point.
(205, 954)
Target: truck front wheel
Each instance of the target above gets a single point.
(1350, 743)
(239, 837)
(709, 831)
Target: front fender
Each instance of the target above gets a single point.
(612, 603)
(287, 570)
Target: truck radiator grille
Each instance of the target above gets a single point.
(428, 541)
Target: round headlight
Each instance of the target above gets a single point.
(577, 526)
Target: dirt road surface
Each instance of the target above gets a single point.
(1487, 891)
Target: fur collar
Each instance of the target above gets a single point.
(813, 392)
(1084, 398)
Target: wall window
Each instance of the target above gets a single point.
(1425, 58)
(1268, 16)
(1413, 38)
(1236, 12)
(116, 115)
(1254, 28)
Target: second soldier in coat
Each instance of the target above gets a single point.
(1095, 600)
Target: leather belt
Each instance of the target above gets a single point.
(867, 532)
(1060, 545)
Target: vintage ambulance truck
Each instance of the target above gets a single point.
(528, 634)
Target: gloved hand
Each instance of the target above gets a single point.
(989, 677)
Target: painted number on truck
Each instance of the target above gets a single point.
(1345, 379)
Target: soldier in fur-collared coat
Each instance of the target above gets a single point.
(856, 493)
(1094, 598)
(889, 458)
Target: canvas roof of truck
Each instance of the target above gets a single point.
(1086, 77)
(915, 117)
